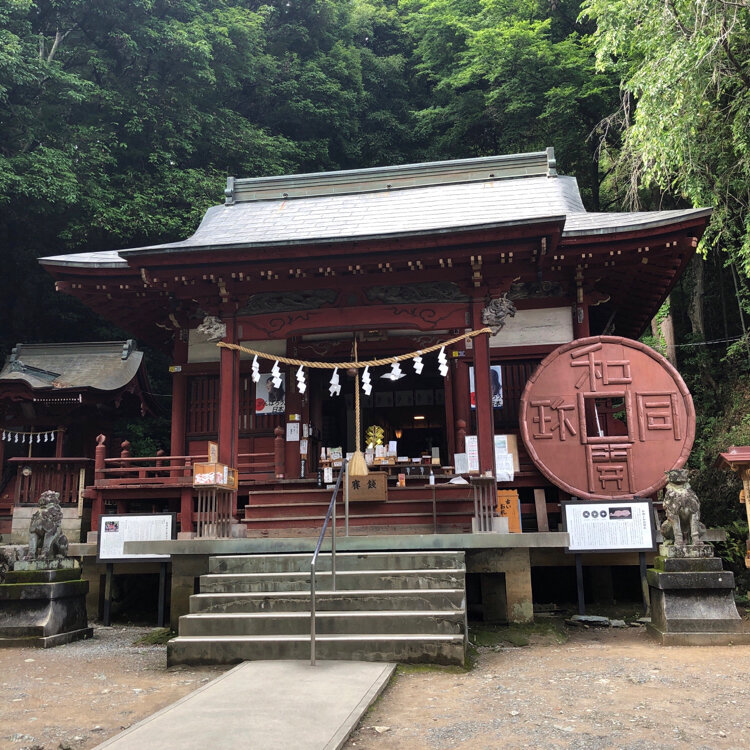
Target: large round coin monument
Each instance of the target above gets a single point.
(604, 417)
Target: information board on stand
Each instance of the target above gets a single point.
(609, 526)
(115, 530)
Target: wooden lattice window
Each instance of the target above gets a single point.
(203, 405)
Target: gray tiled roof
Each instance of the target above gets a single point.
(353, 205)
(106, 366)
(606, 223)
(383, 213)
(101, 259)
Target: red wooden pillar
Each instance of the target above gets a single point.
(59, 442)
(580, 309)
(581, 320)
(293, 406)
(177, 444)
(450, 417)
(229, 397)
(98, 506)
(461, 406)
(186, 499)
(278, 452)
(483, 391)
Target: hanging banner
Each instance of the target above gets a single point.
(496, 383)
(268, 398)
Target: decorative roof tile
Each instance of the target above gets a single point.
(106, 366)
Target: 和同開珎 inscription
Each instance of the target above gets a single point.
(605, 417)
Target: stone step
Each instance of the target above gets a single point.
(299, 601)
(314, 522)
(345, 580)
(344, 561)
(405, 648)
(444, 622)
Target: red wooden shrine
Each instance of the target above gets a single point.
(401, 258)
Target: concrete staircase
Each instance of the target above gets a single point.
(405, 607)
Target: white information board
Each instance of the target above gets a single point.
(609, 527)
(115, 530)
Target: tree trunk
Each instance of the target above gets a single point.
(666, 328)
(695, 306)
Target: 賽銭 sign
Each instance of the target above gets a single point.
(372, 487)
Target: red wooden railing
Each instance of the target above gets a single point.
(177, 471)
(36, 475)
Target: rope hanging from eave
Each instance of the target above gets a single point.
(358, 364)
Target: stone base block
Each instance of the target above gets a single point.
(47, 641)
(698, 639)
(686, 550)
(692, 603)
(58, 563)
(43, 608)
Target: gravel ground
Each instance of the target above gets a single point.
(601, 689)
(73, 697)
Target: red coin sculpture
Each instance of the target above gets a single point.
(604, 417)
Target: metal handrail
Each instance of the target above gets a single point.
(313, 562)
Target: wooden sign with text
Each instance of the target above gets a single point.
(373, 487)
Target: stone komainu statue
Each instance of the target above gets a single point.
(683, 510)
(46, 538)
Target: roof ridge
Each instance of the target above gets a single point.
(372, 179)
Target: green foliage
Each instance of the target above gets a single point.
(686, 104)
(119, 121)
(733, 550)
(158, 637)
(509, 77)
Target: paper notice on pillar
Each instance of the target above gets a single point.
(461, 461)
(328, 475)
(504, 467)
(303, 447)
(292, 432)
(472, 453)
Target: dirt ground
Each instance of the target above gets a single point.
(600, 689)
(73, 697)
(576, 689)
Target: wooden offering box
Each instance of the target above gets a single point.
(373, 487)
(215, 475)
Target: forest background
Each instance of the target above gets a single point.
(120, 120)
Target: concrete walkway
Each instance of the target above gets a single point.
(265, 705)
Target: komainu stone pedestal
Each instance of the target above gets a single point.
(692, 599)
(43, 604)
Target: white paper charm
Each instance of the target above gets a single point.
(276, 374)
(366, 381)
(335, 387)
(418, 364)
(301, 385)
(443, 361)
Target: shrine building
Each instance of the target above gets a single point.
(395, 260)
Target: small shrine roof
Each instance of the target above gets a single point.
(406, 200)
(737, 456)
(105, 366)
